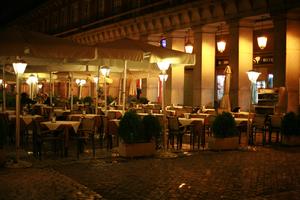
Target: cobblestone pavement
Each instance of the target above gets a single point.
(261, 173)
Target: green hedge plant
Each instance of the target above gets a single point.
(134, 130)
(290, 125)
(224, 126)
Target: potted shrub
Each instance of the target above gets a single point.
(134, 140)
(290, 129)
(88, 100)
(152, 128)
(225, 133)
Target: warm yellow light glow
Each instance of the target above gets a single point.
(80, 82)
(189, 47)
(221, 45)
(262, 41)
(40, 86)
(1, 81)
(32, 79)
(253, 75)
(163, 77)
(19, 67)
(105, 71)
(96, 79)
(163, 66)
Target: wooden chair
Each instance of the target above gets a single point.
(175, 130)
(259, 124)
(41, 135)
(275, 126)
(86, 132)
(197, 134)
(208, 122)
(6, 129)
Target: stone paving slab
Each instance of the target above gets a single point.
(252, 174)
(265, 173)
(32, 183)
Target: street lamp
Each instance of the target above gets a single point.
(31, 81)
(19, 68)
(105, 72)
(80, 83)
(252, 76)
(164, 66)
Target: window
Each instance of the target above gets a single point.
(220, 86)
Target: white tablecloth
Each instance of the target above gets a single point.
(186, 122)
(53, 126)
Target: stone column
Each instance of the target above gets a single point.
(168, 86)
(292, 72)
(177, 91)
(207, 66)
(279, 21)
(197, 68)
(240, 61)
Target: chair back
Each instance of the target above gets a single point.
(173, 123)
(88, 124)
(259, 120)
(275, 121)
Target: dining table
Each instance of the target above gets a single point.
(65, 126)
(26, 118)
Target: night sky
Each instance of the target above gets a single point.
(12, 9)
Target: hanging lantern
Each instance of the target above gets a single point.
(221, 45)
(262, 41)
(188, 46)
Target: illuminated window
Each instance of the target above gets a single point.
(270, 80)
(220, 86)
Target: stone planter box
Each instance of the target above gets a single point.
(137, 149)
(223, 143)
(291, 140)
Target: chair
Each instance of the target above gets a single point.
(40, 135)
(208, 122)
(259, 124)
(6, 132)
(242, 127)
(86, 132)
(197, 133)
(175, 130)
(275, 126)
(111, 134)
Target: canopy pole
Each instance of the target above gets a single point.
(97, 88)
(124, 86)
(69, 88)
(50, 89)
(120, 90)
(17, 117)
(4, 90)
(71, 80)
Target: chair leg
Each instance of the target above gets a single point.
(93, 145)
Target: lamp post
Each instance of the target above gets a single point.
(164, 66)
(252, 76)
(105, 72)
(19, 68)
(80, 83)
(163, 78)
(31, 81)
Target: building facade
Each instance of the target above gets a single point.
(204, 23)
